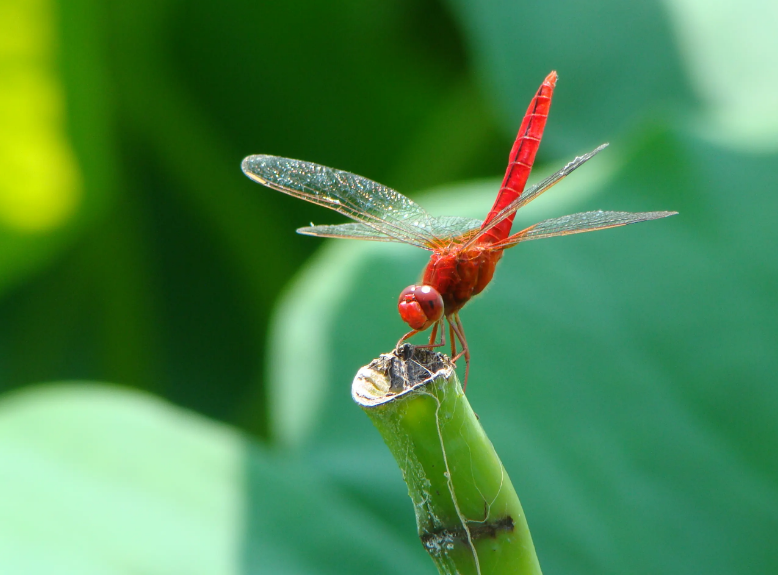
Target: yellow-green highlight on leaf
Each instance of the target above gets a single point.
(40, 182)
(729, 50)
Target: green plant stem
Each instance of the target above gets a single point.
(468, 515)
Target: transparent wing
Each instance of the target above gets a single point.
(579, 223)
(347, 231)
(380, 208)
(453, 227)
(444, 228)
(534, 191)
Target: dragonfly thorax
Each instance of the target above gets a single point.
(459, 275)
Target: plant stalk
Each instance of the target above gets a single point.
(468, 515)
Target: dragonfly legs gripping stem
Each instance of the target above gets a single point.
(457, 328)
(456, 331)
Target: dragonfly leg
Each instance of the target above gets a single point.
(433, 335)
(453, 339)
(459, 330)
(408, 335)
(442, 336)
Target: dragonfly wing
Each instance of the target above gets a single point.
(579, 223)
(368, 202)
(444, 228)
(534, 191)
(452, 227)
(348, 231)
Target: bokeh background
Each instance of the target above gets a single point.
(175, 362)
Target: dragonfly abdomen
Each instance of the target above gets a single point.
(521, 158)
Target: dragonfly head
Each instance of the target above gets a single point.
(420, 306)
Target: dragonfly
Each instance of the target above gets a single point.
(465, 251)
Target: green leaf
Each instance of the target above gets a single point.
(617, 64)
(729, 50)
(104, 480)
(631, 373)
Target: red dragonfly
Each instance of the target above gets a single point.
(464, 251)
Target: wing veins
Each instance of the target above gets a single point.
(350, 211)
(579, 223)
(534, 191)
(339, 190)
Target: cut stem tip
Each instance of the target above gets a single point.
(396, 373)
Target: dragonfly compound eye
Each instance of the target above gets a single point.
(420, 306)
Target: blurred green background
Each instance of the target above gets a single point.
(627, 378)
